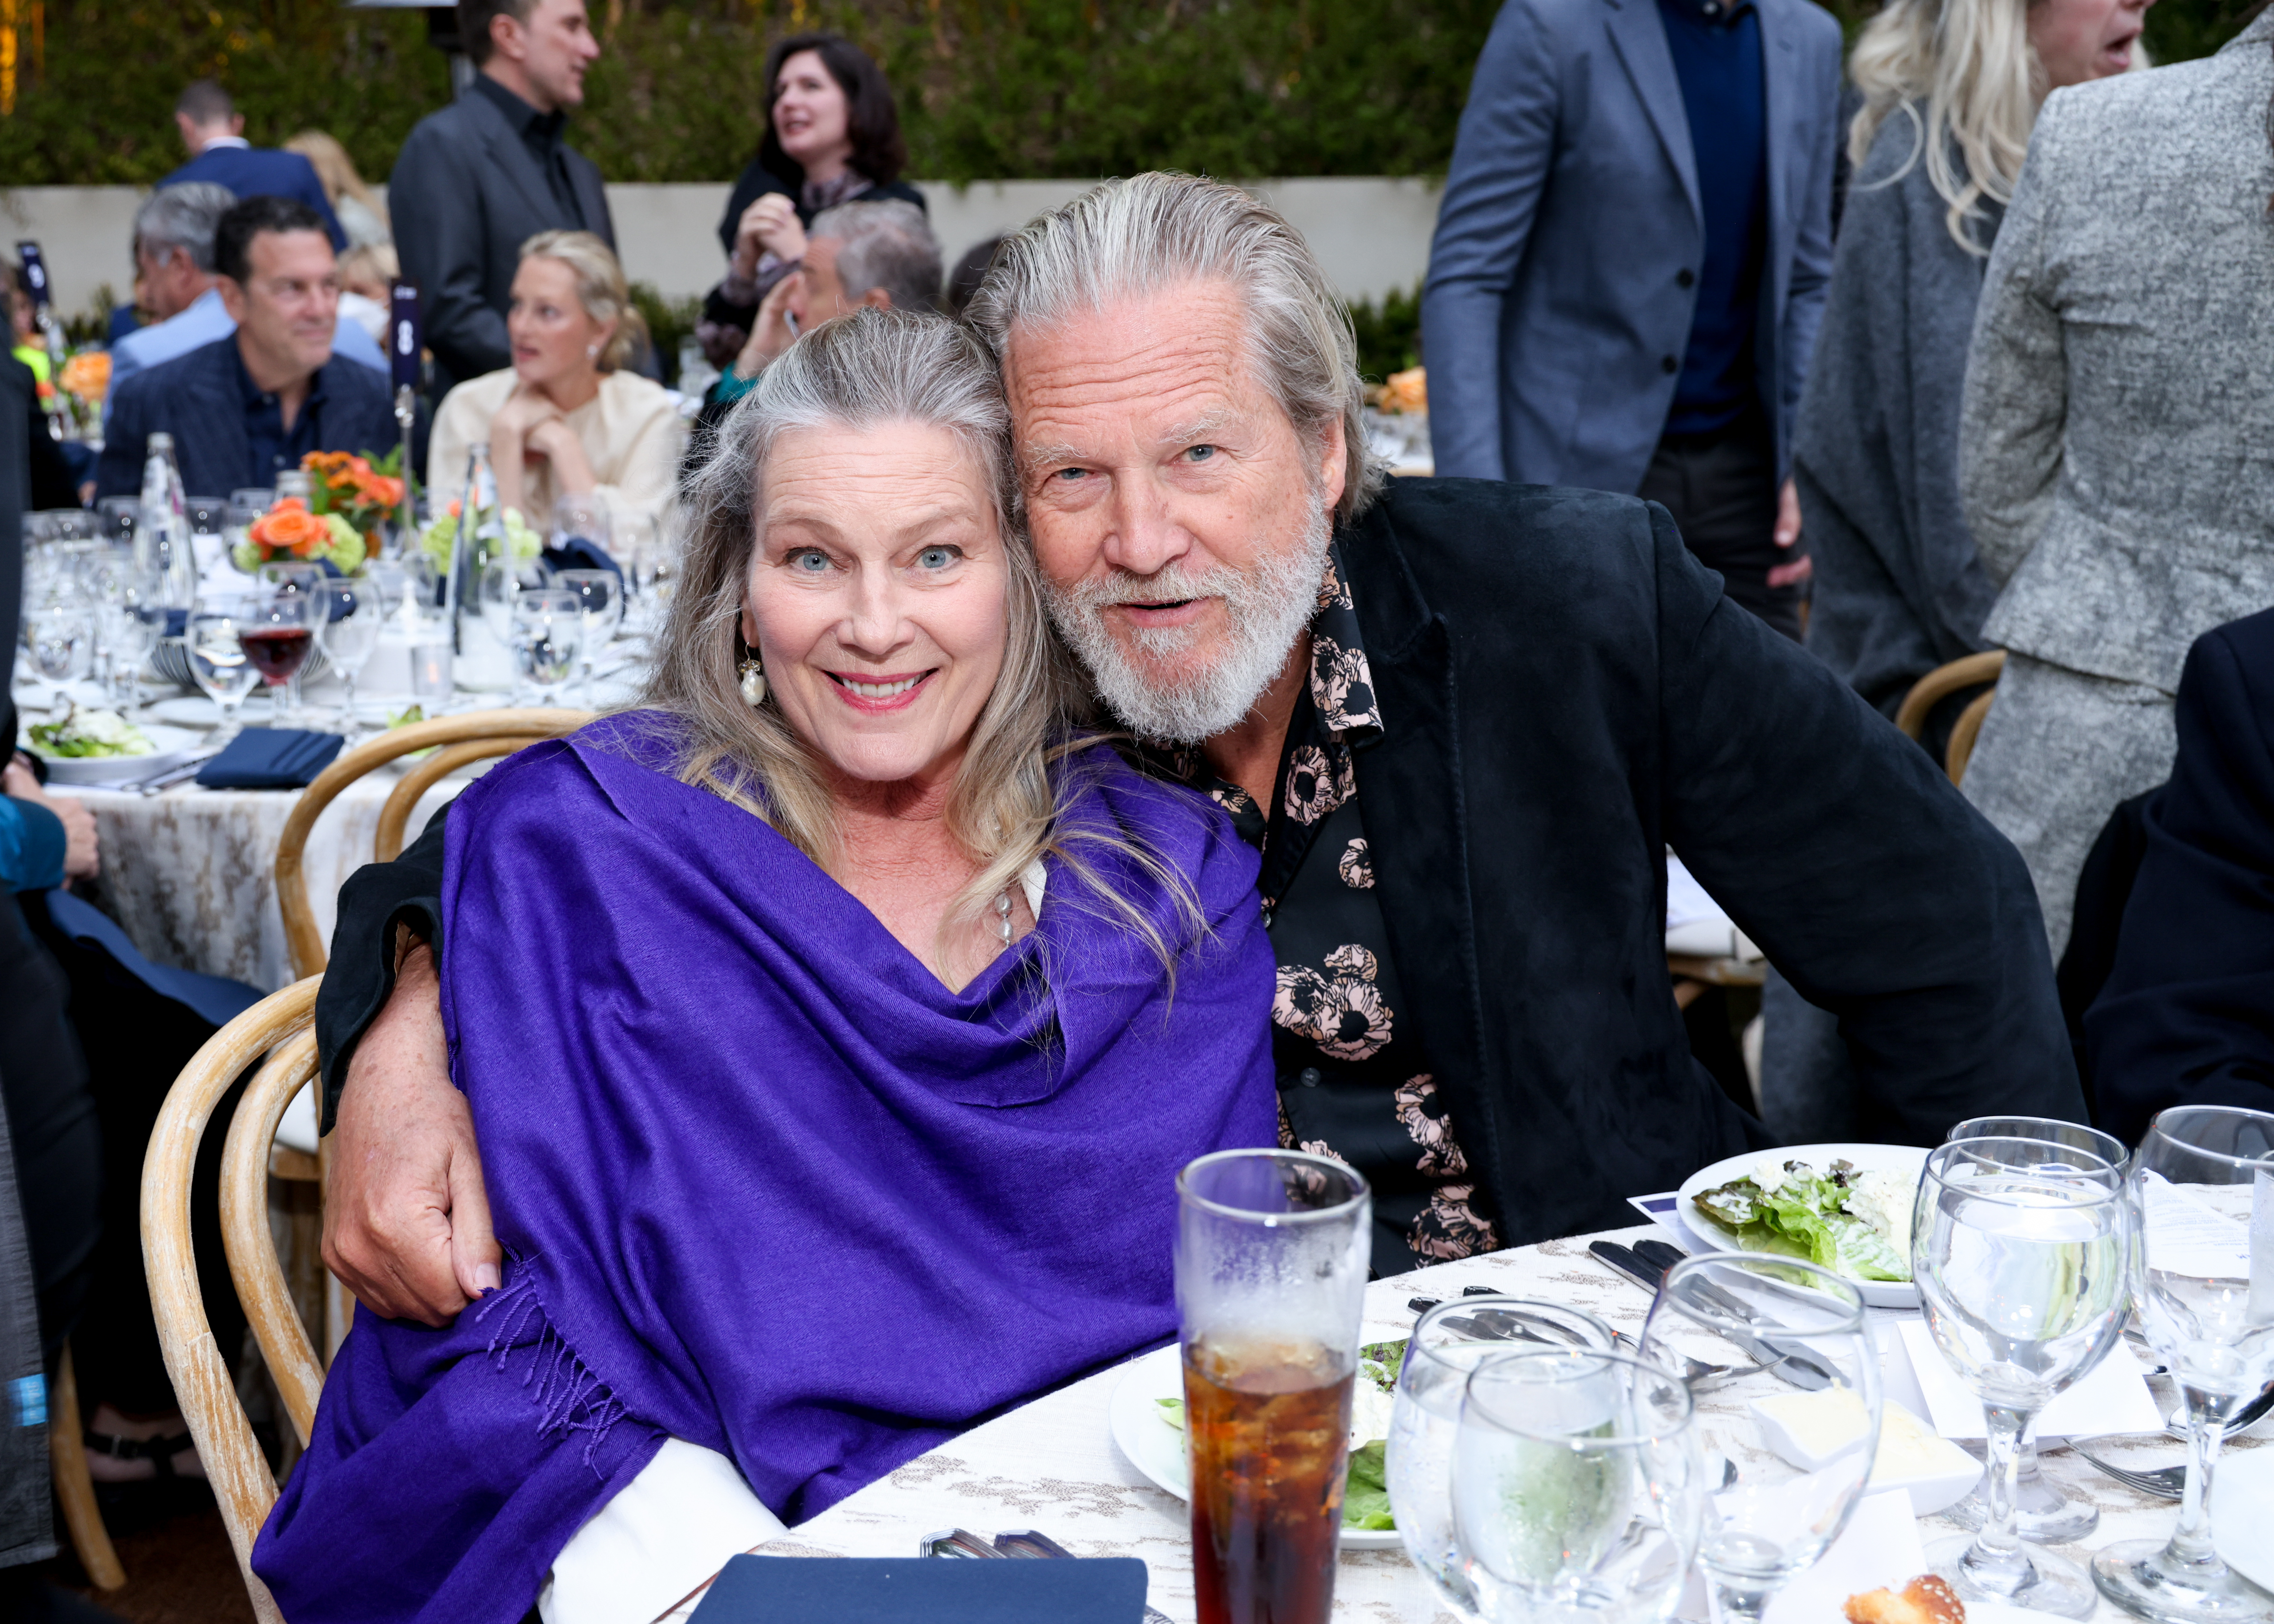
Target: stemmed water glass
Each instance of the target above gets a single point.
(2020, 1249)
(279, 634)
(219, 663)
(2202, 1192)
(1578, 1486)
(348, 634)
(1781, 1516)
(245, 510)
(1447, 1344)
(601, 593)
(60, 636)
(132, 619)
(547, 627)
(2042, 1516)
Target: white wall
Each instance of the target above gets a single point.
(1373, 233)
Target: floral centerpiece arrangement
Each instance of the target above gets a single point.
(349, 498)
(442, 533)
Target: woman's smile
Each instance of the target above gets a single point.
(876, 695)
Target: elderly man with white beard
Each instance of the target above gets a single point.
(1463, 721)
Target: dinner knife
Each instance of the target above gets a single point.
(1787, 1364)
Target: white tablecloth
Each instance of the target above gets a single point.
(1052, 1465)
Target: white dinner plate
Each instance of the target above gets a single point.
(169, 747)
(1157, 1449)
(1704, 1235)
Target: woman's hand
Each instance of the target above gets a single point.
(82, 854)
(557, 443)
(768, 226)
(524, 411)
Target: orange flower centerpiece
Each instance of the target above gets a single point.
(337, 523)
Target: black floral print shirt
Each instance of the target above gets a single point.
(1353, 1082)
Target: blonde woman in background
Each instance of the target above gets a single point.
(564, 420)
(1951, 91)
(367, 275)
(360, 213)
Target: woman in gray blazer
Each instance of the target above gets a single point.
(2117, 460)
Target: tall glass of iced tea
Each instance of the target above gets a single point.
(1271, 1259)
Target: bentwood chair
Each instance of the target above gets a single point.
(1974, 671)
(474, 736)
(280, 1026)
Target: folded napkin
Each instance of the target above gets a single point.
(271, 758)
(790, 1590)
(577, 552)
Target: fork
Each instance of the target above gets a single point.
(2162, 1481)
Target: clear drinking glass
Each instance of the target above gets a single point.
(278, 634)
(1578, 1486)
(548, 625)
(61, 639)
(601, 592)
(243, 511)
(1272, 1248)
(2042, 1516)
(218, 663)
(1448, 1344)
(1781, 1515)
(2201, 1190)
(116, 518)
(2020, 1248)
(350, 633)
(582, 518)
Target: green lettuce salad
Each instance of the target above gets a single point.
(1853, 1223)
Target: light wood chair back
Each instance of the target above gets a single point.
(281, 1027)
(472, 737)
(1930, 689)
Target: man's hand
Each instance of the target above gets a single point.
(407, 1219)
(1788, 536)
(82, 853)
(770, 225)
(771, 334)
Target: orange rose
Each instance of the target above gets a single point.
(377, 490)
(288, 527)
(88, 374)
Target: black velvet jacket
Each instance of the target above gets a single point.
(1565, 693)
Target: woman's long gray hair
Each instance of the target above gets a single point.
(860, 372)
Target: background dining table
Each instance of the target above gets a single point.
(1052, 1464)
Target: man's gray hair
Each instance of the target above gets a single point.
(184, 217)
(1154, 233)
(887, 244)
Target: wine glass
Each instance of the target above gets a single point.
(2042, 1516)
(117, 518)
(279, 633)
(350, 633)
(2020, 1249)
(601, 593)
(2203, 1192)
(1783, 1514)
(1578, 1486)
(580, 517)
(59, 636)
(547, 627)
(132, 617)
(218, 662)
(1448, 1344)
(245, 510)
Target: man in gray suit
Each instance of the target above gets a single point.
(1630, 261)
(482, 177)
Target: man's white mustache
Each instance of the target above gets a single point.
(1167, 586)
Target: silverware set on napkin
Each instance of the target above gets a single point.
(962, 1544)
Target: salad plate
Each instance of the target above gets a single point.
(1151, 1434)
(168, 746)
(1900, 1162)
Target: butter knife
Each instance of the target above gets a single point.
(1787, 1364)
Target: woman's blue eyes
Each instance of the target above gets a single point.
(936, 557)
(812, 562)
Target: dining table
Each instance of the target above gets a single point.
(1052, 1465)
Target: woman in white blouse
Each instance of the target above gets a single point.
(564, 420)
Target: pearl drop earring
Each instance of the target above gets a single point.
(754, 682)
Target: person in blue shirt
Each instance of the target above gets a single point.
(1630, 261)
(213, 130)
(174, 267)
(244, 408)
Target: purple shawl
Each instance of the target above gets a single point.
(764, 1183)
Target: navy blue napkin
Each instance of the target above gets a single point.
(576, 553)
(271, 758)
(846, 1590)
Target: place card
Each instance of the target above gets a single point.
(2113, 1398)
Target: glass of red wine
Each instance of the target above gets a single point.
(277, 637)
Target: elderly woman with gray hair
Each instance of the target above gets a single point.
(2116, 467)
(748, 986)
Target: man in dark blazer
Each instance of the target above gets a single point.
(2187, 1016)
(213, 130)
(1630, 261)
(1463, 719)
(247, 407)
(476, 180)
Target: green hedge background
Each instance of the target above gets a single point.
(989, 88)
